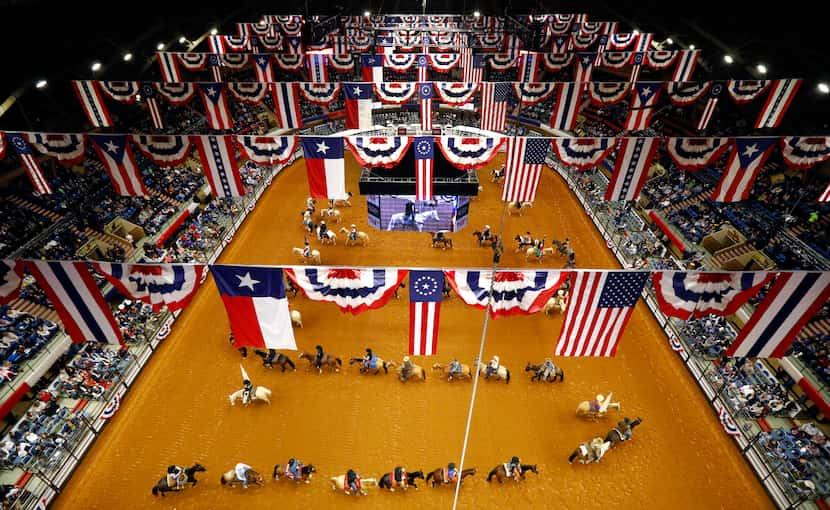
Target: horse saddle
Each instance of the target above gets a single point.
(507, 470)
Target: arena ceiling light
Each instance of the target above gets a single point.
(96, 66)
(824, 88)
(691, 46)
(761, 68)
(40, 84)
(477, 14)
(635, 32)
(182, 40)
(367, 13)
(128, 57)
(160, 46)
(728, 59)
(214, 31)
(669, 40)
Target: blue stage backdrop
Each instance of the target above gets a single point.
(446, 213)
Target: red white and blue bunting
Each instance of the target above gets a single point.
(249, 92)
(469, 152)
(503, 61)
(320, 93)
(686, 93)
(514, 292)
(615, 59)
(193, 61)
(121, 91)
(399, 62)
(660, 59)
(444, 62)
(352, 290)
(490, 40)
(455, 93)
(533, 93)
(268, 150)
(163, 150)
(379, 151)
(271, 42)
(289, 61)
(583, 41)
(234, 60)
(555, 62)
(66, 148)
(608, 93)
(744, 91)
(696, 153)
(583, 153)
(802, 152)
(395, 92)
(341, 63)
(176, 93)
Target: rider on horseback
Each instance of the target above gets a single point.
(353, 233)
(318, 359)
(452, 473)
(370, 361)
(241, 471)
(455, 368)
(268, 360)
(352, 481)
(624, 428)
(492, 367)
(247, 392)
(409, 212)
(293, 469)
(438, 237)
(399, 475)
(514, 467)
(310, 204)
(306, 249)
(548, 369)
(596, 404)
(322, 230)
(175, 477)
(485, 234)
(406, 368)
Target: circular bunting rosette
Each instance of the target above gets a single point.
(395, 92)
(696, 153)
(608, 93)
(320, 93)
(163, 150)
(687, 93)
(583, 153)
(378, 151)
(802, 152)
(68, 148)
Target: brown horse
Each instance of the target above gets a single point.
(327, 361)
(539, 372)
(500, 472)
(466, 371)
(439, 476)
(306, 472)
(384, 365)
(493, 239)
(229, 478)
(271, 358)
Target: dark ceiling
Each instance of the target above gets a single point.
(59, 40)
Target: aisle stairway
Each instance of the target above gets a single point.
(44, 312)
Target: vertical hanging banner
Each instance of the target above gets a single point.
(425, 93)
(220, 165)
(523, 168)
(424, 311)
(317, 67)
(325, 167)
(372, 68)
(358, 105)
(566, 108)
(264, 69)
(119, 162)
(27, 157)
(781, 94)
(148, 94)
(631, 167)
(745, 163)
(494, 106)
(169, 66)
(424, 148)
(216, 105)
(92, 103)
(287, 105)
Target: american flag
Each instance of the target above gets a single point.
(424, 311)
(711, 102)
(494, 105)
(27, 157)
(92, 103)
(472, 66)
(792, 301)
(424, 155)
(425, 93)
(780, 96)
(119, 163)
(745, 163)
(601, 305)
(216, 105)
(631, 168)
(525, 157)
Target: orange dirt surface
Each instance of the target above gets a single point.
(177, 411)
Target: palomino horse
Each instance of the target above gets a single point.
(388, 481)
(500, 472)
(584, 407)
(362, 238)
(332, 213)
(398, 220)
(327, 361)
(539, 372)
(466, 371)
(314, 257)
(518, 207)
(617, 434)
(385, 365)
(439, 476)
(417, 374)
(229, 478)
(501, 373)
(296, 319)
(590, 451)
(557, 303)
(342, 201)
(306, 472)
(339, 483)
(259, 393)
(279, 359)
(538, 255)
(190, 477)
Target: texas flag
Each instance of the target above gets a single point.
(358, 105)
(424, 311)
(257, 308)
(324, 166)
(372, 66)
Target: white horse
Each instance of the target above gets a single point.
(328, 238)
(605, 403)
(398, 220)
(362, 237)
(330, 213)
(314, 257)
(339, 483)
(296, 319)
(259, 393)
(590, 451)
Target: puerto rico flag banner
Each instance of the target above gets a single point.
(318, 69)
(792, 300)
(358, 105)
(287, 105)
(27, 157)
(372, 68)
(514, 292)
(169, 67)
(634, 157)
(711, 102)
(565, 110)
(352, 290)
(525, 157)
(698, 294)
(685, 65)
(256, 305)
(219, 164)
(216, 105)
(424, 311)
(324, 166)
(80, 305)
(11, 273)
(425, 94)
(263, 68)
(745, 163)
(600, 307)
(92, 103)
(424, 154)
(494, 106)
(158, 285)
(584, 66)
(119, 162)
(781, 94)
(643, 99)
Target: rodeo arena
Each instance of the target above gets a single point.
(423, 260)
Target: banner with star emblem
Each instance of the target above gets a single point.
(643, 100)
(514, 292)
(159, 285)
(263, 68)
(325, 167)
(148, 94)
(216, 105)
(372, 68)
(745, 163)
(27, 158)
(424, 166)
(219, 164)
(425, 291)
(352, 290)
(119, 162)
(425, 95)
(358, 105)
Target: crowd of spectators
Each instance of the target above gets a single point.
(752, 390)
(22, 337)
(91, 372)
(800, 456)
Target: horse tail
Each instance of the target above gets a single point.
(492, 474)
(561, 375)
(291, 363)
(155, 490)
(276, 466)
(339, 362)
(222, 480)
(508, 375)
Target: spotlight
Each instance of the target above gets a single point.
(823, 88)
(691, 46)
(728, 59)
(761, 68)
(669, 40)
(213, 31)
(128, 57)
(367, 13)
(40, 84)
(635, 32)
(96, 66)
(477, 14)
(182, 40)
(160, 46)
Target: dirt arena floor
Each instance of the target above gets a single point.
(177, 411)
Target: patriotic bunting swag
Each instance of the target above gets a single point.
(583, 153)
(378, 151)
(696, 153)
(268, 150)
(352, 290)
(158, 285)
(469, 152)
(164, 150)
(514, 292)
(695, 295)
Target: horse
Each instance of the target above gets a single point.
(493, 239)
(385, 365)
(501, 373)
(296, 319)
(259, 393)
(617, 435)
(418, 373)
(439, 476)
(190, 473)
(466, 371)
(518, 207)
(538, 372)
(388, 481)
(229, 478)
(330, 238)
(306, 473)
(500, 472)
(530, 254)
(308, 222)
(398, 220)
(443, 243)
(339, 483)
(497, 174)
(327, 361)
(584, 407)
(331, 212)
(557, 303)
(525, 242)
(590, 451)
(362, 238)
(343, 201)
(315, 255)
(278, 359)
